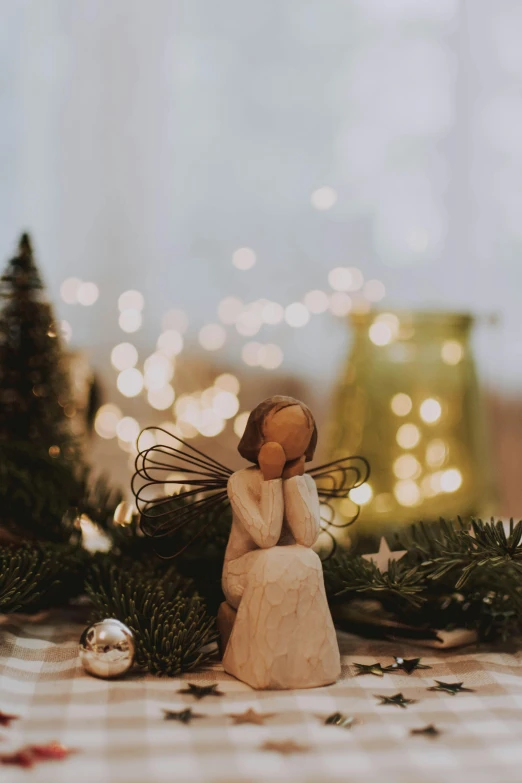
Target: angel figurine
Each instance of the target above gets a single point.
(275, 625)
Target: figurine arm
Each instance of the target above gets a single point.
(263, 518)
(302, 509)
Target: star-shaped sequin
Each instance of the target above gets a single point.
(5, 719)
(398, 700)
(426, 731)
(370, 668)
(286, 747)
(183, 716)
(251, 716)
(338, 719)
(450, 687)
(200, 691)
(407, 665)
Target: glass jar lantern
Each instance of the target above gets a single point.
(408, 401)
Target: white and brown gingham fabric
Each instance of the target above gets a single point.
(121, 737)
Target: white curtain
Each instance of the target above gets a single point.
(142, 141)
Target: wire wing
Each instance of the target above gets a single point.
(172, 464)
(334, 482)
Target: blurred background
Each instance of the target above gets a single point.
(231, 200)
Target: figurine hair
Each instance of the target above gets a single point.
(253, 436)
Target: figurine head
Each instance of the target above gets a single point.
(281, 420)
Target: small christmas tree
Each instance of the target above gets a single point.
(38, 455)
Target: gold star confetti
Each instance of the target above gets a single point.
(398, 700)
(427, 731)
(183, 716)
(407, 665)
(338, 719)
(450, 687)
(286, 747)
(372, 668)
(200, 691)
(251, 716)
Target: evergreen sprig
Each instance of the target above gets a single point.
(349, 574)
(37, 576)
(454, 574)
(172, 628)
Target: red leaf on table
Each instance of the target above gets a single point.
(5, 719)
(31, 754)
(51, 751)
(20, 758)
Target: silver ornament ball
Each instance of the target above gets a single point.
(107, 649)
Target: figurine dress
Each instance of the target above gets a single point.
(283, 635)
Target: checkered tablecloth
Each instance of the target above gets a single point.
(121, 737)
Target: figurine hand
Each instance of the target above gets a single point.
(294, 468)
(271, 460)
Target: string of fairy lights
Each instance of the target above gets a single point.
(207, 411)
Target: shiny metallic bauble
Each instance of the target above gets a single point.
(107, 649)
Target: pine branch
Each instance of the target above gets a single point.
(347, 575)
(172, 628)
(35, 577)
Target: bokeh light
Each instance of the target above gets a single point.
(430, 410)
(272, 313)
(158, 371)
(271, 357)
(128, 429)
(65, 330)
(407, 467)
(240, 423)
(297, 315)
(170, 342)
(130, 320)
(87, 294)
(131, 300)
(407, 493)
(361, 495)
(227, 382)
(323, 198)
(130, 382)
(229, 310)
(123, 356)
(244, 258)
(106, 421)
(452, 352)
(340, 279)
(408, 436)
(175, 319)
(147, 440)
(161, 398)
(249, 322)
(317, 301)
(225, 404)
(251, 354)
(436, 453)
(401, 404)
(340, 303)
(212, 337)
(210, 423)
(69, 290)
(380, 333)
(451, 480)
